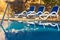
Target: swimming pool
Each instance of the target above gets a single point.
(31, 26)
(31, 31)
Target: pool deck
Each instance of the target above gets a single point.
(31, 19)
(22, 19)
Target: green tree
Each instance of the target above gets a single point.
(49, 3)
(58, 2)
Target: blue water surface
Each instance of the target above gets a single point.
(48, 33)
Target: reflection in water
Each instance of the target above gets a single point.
(47, 33)
(24, 31)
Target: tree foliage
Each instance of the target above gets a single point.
(2, 6)
(58, 2)
(50, 2)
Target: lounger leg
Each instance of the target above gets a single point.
(58, 27)
(57, 17)
(35, 28)
(50, 17)
(44, 26)
(28, 27)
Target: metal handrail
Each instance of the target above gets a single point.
(3, 18)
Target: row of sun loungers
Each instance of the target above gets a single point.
(40, 13)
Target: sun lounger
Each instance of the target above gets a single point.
(30, 13)
(41, 13)
(23, 14)
(54, 11)
(40, 10)
(26, 13)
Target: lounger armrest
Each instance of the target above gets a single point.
(39, 12)
(54, 24)
(31, 12)
(46, 12)
(53, 12)
(24, 12)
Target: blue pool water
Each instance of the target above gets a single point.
(33, 32)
